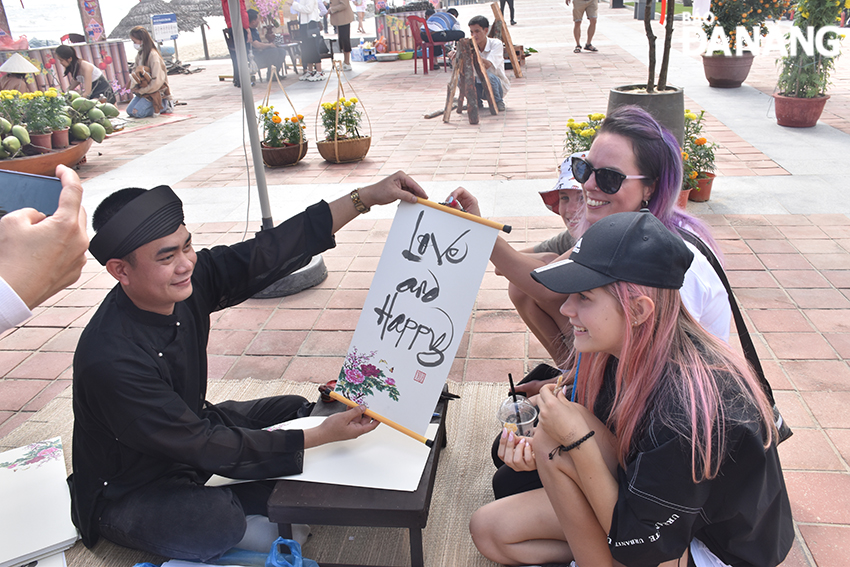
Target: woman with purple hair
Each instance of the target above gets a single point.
(634, 163)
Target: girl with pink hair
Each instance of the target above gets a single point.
(663, 449)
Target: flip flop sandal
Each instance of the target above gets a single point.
(589, 47)
(577, 49)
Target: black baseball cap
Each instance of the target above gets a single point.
(623, 247)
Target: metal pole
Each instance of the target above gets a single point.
(250, 116)
(204, 40)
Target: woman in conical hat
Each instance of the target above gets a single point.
(17, 68)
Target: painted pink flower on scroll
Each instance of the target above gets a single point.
(360, 379)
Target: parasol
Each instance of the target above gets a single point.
(200, 9)
(140, 15)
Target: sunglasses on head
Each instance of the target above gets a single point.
(608, 180)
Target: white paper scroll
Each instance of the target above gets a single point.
(415, 313)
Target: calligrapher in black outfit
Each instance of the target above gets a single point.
(145, 439)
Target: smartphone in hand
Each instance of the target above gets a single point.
(21, 190)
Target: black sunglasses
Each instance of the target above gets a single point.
(608, 180)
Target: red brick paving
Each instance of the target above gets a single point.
(800, 332)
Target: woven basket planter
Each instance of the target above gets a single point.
(345, 151)
(284, 156)
(287, 155)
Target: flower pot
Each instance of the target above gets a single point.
(668, 107)
(682, 201)
(59, 138)
(727, 72)
(703, 190)
(282, 157)
(41, 143)
(345, 151)
(799, 112)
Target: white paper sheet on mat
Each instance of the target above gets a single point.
(383, 458)
(35, 503)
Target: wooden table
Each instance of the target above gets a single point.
(336, 505)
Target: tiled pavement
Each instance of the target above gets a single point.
(791, 272)
(520, 144)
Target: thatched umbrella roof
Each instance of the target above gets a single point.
(199, 8)
(140, 15)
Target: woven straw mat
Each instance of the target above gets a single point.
(462, 485)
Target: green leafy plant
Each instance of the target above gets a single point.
(12, 106)
(697, 153)
(279, 132)
(36, 112)
(341, 119)
(580, 134)
(56, 116)
(293, 129)
(807, 76)
(729, 14)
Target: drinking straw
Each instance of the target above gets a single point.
(516, 404)
(575, 380)
(513, 389)
(340, 398)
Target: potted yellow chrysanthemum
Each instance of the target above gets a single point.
(580, 134)
(60, 122)
(37, 118)
(697, 159)
(284, 142)
(341, 121)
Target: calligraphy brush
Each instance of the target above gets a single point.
(324, 389)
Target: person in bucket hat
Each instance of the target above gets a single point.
(564, 199)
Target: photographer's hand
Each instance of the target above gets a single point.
(43, 255)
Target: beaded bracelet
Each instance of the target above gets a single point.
(561, 449)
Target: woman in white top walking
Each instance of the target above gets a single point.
(360, 10)
(309, 17)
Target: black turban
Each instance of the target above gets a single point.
(151, 215)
